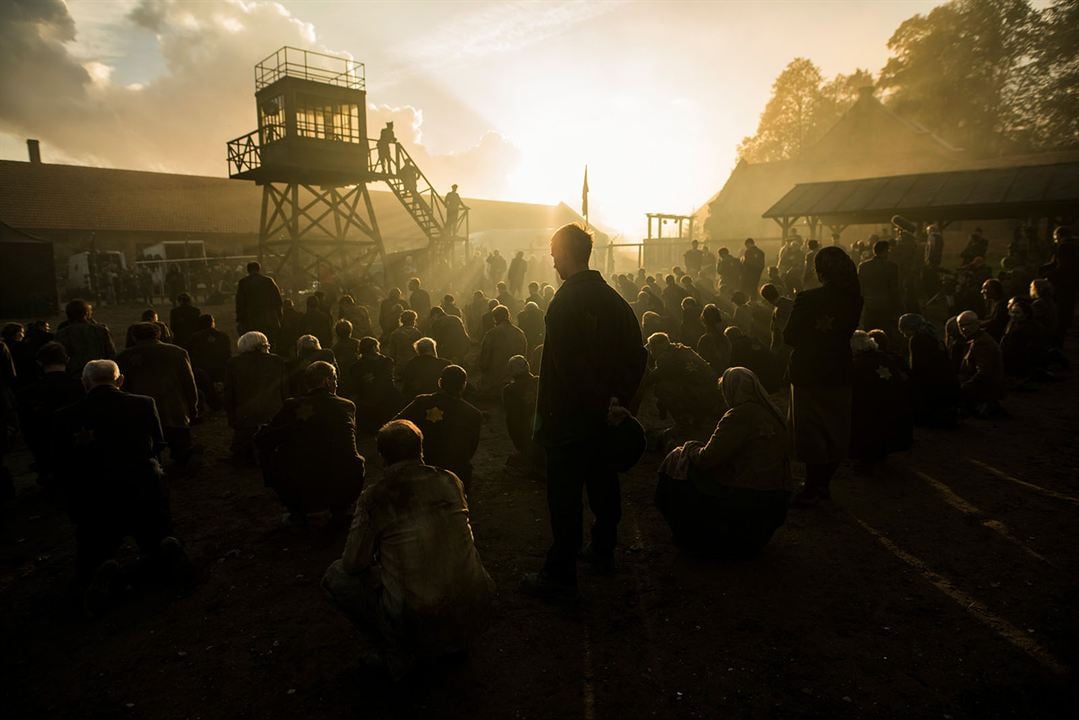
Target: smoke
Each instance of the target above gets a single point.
(180, 120)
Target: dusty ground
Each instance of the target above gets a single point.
(938, 589)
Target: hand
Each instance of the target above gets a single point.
(616, 413)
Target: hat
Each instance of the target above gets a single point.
(624, 444)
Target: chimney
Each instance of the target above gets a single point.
(34, 148)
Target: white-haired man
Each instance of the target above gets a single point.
(256, 386)
(420, 374)
(107, 448)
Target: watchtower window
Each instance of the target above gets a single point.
(272, 119)
(322, 121)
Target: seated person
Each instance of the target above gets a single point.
(450, 425)
(347, 348)
(684, 384)
(934, 384)
(37, 402)
(107, 449)
(748, 352)
(410, 576)
(727, 497)
(369, 384)
(981, 375)
(256, 386)
(448, 332)
(421, 373)
(308, 350)
(1023, 346)
(519, 402)
(882, 420)
(308, 451)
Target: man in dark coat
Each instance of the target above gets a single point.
(421, 373)
(56, 388)
(519, 402)
(879, 278)
(317, 419)
(530, 320)
(419, 299)
(84, 339)
(449, 334)
(184, 319)
(369, 384)
(256, 386)
(450, 425)
(752, 267)
(163, 372)
(210, 350)
(592, 364)
(516, 275)
(106, 447)
(258, 302)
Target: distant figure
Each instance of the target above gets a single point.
(879, 279)
(934, 385)
(530, 320)
(449, 334)
(402, 342)
(106, 448)
(346, 350)
(752, 267)
(450, 425)
(386, 140)
(694, 259)
(389, 312)
(84, 339)
(308, 350)
(410, 577)
(256, 386)
(150, 315)
(316, 421)
(409, 175)
(318, 322)
(981, 374)
(419, 299)
(516, 275)
(40, 399)
(258, 303)
(453, 211)
(882, 417)
(501, 342)
(684, 384)
(369, 384)
(349, 309)
(184, 319)
(210, 350)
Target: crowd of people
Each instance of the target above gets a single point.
(832, 358)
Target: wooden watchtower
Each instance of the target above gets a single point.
(309, 154)
(313, 158)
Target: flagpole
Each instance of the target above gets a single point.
(584, 198)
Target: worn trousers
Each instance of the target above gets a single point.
(570, 469)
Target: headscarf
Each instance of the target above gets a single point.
(835, 268)
(910, 323)
(740, 385)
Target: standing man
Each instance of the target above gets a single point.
(453, 211)
(752, 267)
(592, 365)
(258, 303)
(879, 279)
(518, 268)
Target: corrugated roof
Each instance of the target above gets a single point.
(40, 196)
(999, 192)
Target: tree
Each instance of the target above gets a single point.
(965, 71)
(1057, 68)
(803, 107)
(787, 121)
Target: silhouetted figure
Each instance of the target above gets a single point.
(184, 319)
(256, 386)
(258, 303)
(450, 425)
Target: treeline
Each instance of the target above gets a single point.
(990, 76)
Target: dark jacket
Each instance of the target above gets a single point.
(258, 304)
(449, 333)
(308, 452)
(519, 401)
(592, 352)
(819, 331)
(451, 431)
(879, 278)
(163, 372)
(85, 341)
(106, 449)
(420, 375)
(37, 404)
(210, 350)
(184, 320)
(256, 385)
(369, 383)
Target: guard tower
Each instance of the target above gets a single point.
(313, 158)
(662, 251)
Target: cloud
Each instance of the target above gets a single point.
(180, 120)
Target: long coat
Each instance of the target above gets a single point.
(163, 372)
(501, 342)
(256, 385)
(258, 304)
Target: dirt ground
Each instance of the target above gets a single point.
(946, 587)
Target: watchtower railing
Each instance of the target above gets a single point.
(244, 154)
(426, 205)
(310, 65)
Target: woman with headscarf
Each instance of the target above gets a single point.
(882, 421)
(819, 331)
(727, 497)
(933, 377)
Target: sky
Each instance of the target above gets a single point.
(508, 99)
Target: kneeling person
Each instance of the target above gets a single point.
(450, 425)
(308, 451)
(410, 576)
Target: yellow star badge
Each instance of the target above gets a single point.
(434, 414)
(305, 412)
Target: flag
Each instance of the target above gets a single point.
(584, 194)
